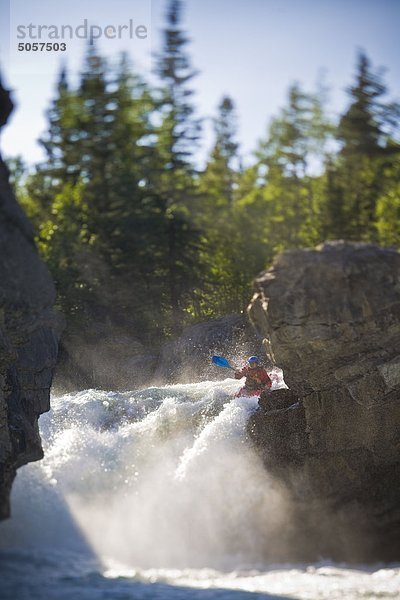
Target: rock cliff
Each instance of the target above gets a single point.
(29, 330)
(332, 316)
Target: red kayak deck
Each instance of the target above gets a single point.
(244, 392)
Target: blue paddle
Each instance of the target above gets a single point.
(222, 362)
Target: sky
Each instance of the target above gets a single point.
(252, 50)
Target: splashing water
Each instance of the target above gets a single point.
(159, 478)
(160, 485)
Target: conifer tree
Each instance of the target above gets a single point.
(367, 134)
(221, 173)
(219, 188)
(285, 158)
(136, 236)
(368, 125)
(177, 136)
(101, 206)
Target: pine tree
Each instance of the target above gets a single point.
(177, 136)
(101, 199)
(285, 150)
(366, 132)
(60, 142)
(221, 173)
(179, 128)
(388, 210)
(285, 160)
(218, 186)
(367, 127)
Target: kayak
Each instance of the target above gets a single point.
(245, 392)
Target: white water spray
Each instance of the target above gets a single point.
(146, 487)
(159, 478)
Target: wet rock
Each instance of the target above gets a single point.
(29, 331)
(333, 319)
(104, 358)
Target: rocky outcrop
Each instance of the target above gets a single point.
(29, 331)
(332, 316)
(102, 357)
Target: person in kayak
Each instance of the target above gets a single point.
(257, 378)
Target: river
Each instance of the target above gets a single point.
(158, 494)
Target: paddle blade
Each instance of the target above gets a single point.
(221, 362)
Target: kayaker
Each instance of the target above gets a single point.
(257, 378)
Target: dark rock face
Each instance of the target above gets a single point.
(101, 357)
(29, 331)
(332, 316)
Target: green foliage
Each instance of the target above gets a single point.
(367, 126)
(218, 187)
(388, 210)
(137, 237)
(356, 177)
(173, 176)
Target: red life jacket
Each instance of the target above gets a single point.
(256, 379)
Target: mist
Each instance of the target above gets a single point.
(164, 478)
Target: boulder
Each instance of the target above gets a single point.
(29, 332)
(102, 356)
(332, 316)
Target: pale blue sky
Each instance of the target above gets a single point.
(250, 49)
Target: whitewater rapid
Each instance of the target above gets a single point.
(157, 493)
